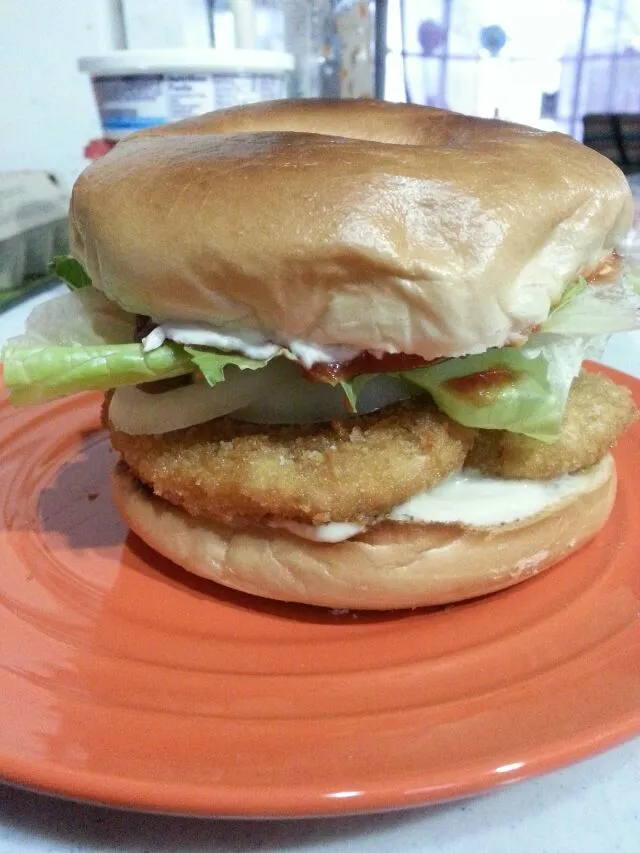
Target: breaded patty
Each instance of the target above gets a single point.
(348, 470)
(597, 413)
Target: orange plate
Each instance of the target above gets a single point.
(126, 681)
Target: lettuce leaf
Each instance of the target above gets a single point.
(498, 389)
(85, 317)
(212, 363)
(569, 293)
(535, 380)
(71, 271)
(352, 388)
(594, 310)
(38, 374)
(82, 341)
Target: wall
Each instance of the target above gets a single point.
(47, 113)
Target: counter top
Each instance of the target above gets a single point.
(591, 807)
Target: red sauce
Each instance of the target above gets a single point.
(481, 387)
(366, 362)
(605, 271)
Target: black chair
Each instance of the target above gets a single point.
(617, 136)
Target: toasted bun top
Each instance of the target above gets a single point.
(368, 224)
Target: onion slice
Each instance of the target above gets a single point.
(275, 394)
(304, 402)
(138, 413)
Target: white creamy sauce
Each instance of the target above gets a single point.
(476, 500)
(469, 499)
(336, 531)
(249, 342)
(310, 354)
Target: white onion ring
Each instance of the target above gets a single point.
(275, 394)
(138, 413)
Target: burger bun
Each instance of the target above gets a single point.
(390, 566)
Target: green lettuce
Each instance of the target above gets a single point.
(212, 363)
(71, 271)
(594, 310)
(39, 374)
(525, 389)
(83, 317)
(569, 293)
(352, 388)
(83, 341)
(507, 390)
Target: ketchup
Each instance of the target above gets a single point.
(366, 362)
(480, 388)
(606, 270)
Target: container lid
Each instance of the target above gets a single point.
(128, 62)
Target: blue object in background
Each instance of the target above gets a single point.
(493, 38)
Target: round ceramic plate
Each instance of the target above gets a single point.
(126, 681)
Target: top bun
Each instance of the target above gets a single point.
(386, 227)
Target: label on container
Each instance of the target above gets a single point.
(188, 96)
(130, 103)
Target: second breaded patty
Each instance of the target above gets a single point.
(347, 470)
(598, 412)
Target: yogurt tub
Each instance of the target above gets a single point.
(135, 89)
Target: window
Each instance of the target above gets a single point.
(545, 64)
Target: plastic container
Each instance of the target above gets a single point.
(135, 89)
(33, 225)
(13, 251)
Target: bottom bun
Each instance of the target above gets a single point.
(389, 566)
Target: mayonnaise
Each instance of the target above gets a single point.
(335, 531)
(249, 342)
(470, 499)
(310, 354)
(476, 500)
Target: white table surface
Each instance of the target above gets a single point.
(589, 807)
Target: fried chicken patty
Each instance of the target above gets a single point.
(356, 469)
(348, 470)
(597, 413)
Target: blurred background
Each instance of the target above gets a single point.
(80, 74)
(547, 63)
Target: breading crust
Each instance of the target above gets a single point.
(357, 469)
(347, 470)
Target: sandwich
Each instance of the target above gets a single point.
(341, 346)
